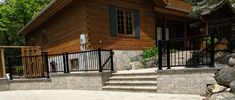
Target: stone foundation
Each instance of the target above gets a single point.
(123, 57)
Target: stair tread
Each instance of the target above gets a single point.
(133, 77)
(131, 87)
(153, 82)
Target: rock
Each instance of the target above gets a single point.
(225, 76)
(223, 96)
(231, 61)
(136, 65)
(232, 86)
(215, 88)
(128, 67)
(136, 58)
(228, 90)
(218, 88)
(222, 57)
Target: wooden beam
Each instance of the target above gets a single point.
(3, 62)
(171, 12)
(19, 47)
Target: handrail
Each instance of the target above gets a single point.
(110, 56)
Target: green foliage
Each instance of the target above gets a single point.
(200, 5)
(18, 70)
(208, 40)
(14, 15)
(151, 52)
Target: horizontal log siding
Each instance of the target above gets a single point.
(63, 32)
(99, 27)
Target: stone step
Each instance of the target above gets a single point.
(134, 74)
(131, 88)
(133, 78)
(131, 83)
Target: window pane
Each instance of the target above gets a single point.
(128, 22)
(120, 21)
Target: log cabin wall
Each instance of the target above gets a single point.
(99, 25)
(63, 31)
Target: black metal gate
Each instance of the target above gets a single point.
(191, 52)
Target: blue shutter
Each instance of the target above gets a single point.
(137, 24)
(112, 20)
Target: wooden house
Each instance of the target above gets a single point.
(124, 25)
(220, 20)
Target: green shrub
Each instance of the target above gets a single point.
(151, 52)
(18, 70)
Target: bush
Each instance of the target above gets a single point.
(151, 52)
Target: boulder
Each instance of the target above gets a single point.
(223, 96)
(136, 65)
(222, 57)
(231, 61)
(232, 86)
(225, 75)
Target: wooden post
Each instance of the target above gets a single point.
(3, 68)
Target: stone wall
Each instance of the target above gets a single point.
(78, 81)
(185, 81)
(122, 58)
(4, 85)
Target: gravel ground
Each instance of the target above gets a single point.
(90, 95)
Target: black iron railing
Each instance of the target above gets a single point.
(40, 66)
(189, 52)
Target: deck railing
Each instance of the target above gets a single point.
(40, 66)
(190, 52)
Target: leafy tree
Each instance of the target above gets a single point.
(14, 15)
(200, 5)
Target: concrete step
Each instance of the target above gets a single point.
(131, 83)
(133, 78)
(134, 74)
(131, 88)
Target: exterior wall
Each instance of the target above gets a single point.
(123, 57)
(185, 81)
(63, 32)
(4, 85)
(85, 81)
(181, 4)
(99, 25)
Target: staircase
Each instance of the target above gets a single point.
(132, 82)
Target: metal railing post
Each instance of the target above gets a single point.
(212, 50)
(111, 53)
(99, 60)
(10, 68)
(66, 64)
(46, 64)
(168, 54)
(160, 55)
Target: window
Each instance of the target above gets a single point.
(44, 36)
(30, 40)
(125, 21)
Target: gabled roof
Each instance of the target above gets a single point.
(214, 7)
(50, 10)
(55, 6)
